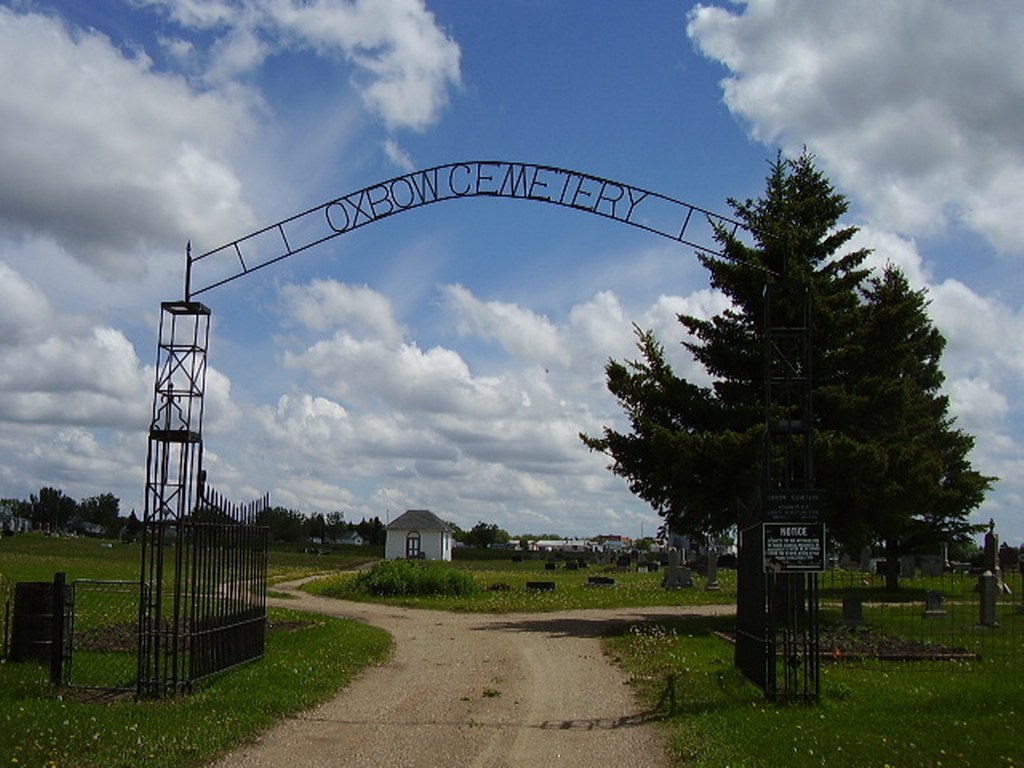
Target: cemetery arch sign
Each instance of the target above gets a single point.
(659, 214)
(203, 570)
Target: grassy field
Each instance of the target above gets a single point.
(502, 588)
(872, 713)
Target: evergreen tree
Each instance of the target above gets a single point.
(915, 486)
(695, 452)
(894, 467)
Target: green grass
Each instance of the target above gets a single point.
(502, 589)
(303, 665)
(872, 713)
(35, 557)
(306, 661)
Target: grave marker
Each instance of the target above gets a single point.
(933, 604)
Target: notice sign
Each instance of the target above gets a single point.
(794, 547)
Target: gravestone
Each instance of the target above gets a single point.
(853, 611)
(991, 549)
(865, 559)
(908, 566)
(991, 557)
(540, 586)
(931, 566)
(988, 587)
(712, 569)
(933, 604)
(676, 576)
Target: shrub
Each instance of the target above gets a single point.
(408, 578)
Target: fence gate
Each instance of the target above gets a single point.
(101, 652)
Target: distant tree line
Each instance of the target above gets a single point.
(289, 526)
(481, 535)
(53, 510)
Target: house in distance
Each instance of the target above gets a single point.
(418, 534)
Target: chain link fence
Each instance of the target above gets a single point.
(104, 636)
(6, 614)
(954, 616)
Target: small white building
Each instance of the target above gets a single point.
(418, 534)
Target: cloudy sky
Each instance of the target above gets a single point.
(447, 358)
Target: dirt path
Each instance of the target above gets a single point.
(474, 690)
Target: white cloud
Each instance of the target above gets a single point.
(63, 369)
(398, 156)
(102, 154)
(326, 304)
(528, 336)
(911, 104)
(405, 62)
(26, 309)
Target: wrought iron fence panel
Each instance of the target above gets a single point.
(209, 613)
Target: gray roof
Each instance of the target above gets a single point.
(418, 520)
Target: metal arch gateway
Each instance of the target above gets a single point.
(203, 570)
(202, 602)
(656, 213)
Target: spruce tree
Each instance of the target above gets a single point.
(912, 485)
(894, 468)
(695, 451)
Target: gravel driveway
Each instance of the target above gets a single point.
(476, 690)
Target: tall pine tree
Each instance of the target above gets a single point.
(695, 452)
(903, 465)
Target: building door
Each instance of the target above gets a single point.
(412, 546)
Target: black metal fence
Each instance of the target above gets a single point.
(229, 595)
(954, 616)
(206, 607)
(777, 626)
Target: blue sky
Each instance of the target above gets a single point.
(448, 357)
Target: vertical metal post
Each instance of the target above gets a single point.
(172, 468)
(777, 644)
(59, 628)
(792, 644)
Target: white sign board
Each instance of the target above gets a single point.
(794, 547)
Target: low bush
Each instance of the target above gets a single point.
(407, 578)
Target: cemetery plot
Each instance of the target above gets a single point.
(947, 618)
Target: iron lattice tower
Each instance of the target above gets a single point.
(792, 654)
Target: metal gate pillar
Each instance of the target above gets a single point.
(777, 642)
(174, 465)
